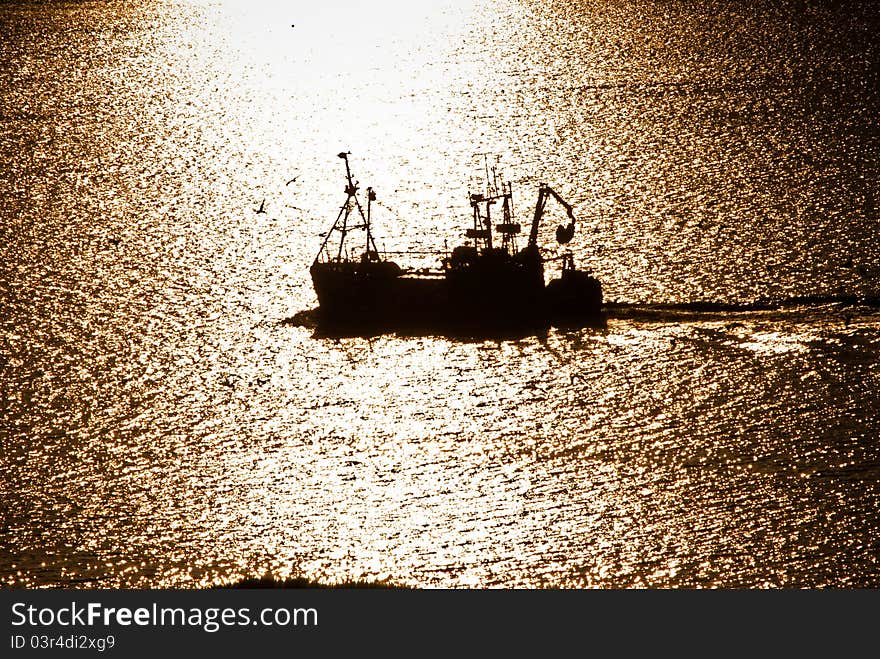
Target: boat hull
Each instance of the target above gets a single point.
(356, 299)
(351, 297)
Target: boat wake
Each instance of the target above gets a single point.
(828, 305)
(305, 318)
(701, 310)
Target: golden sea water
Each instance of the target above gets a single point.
(164, 424)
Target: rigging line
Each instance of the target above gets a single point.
(388, 208)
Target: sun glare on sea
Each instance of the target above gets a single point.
(319, 78)
(178, 418)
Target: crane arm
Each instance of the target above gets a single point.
(562, 201)
(545, 191)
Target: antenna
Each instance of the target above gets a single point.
(486, 165)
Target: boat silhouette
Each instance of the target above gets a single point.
(485, 284)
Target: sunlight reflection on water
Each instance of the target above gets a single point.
(164, 426)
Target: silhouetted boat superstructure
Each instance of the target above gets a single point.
(480, 285)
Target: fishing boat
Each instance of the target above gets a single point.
(487, 283)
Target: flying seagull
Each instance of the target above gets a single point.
(262, 208)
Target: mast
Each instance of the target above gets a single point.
(371, 196)
(508, 228)
(341, 222)
(351, 192)
(482, 236)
